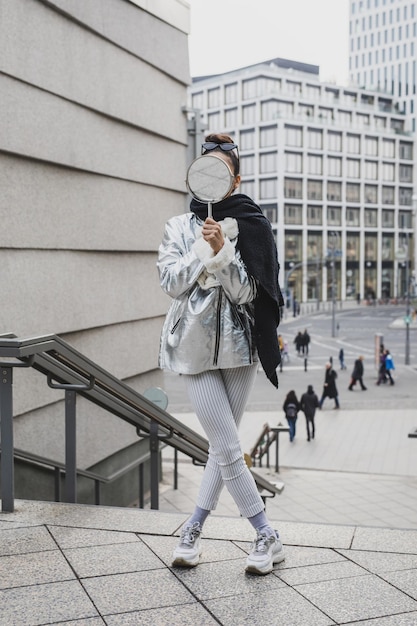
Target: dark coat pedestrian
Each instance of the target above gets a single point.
(357, 374)
(342, 359)
(309, 403)
(329, 387)
(298, 341)
(291, 408)
(306, 342)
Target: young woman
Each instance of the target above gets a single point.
(222, 273)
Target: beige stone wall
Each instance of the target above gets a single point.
(92, 163)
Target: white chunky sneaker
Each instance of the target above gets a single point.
(188, 551)
(265, 551)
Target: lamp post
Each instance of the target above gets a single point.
(335, 237)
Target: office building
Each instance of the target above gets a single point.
(331, 167)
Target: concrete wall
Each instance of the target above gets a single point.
(92, 163)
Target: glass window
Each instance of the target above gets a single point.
(214, 121)
(388, 148)
(380, 122)
(352, 217)
(248, 187)
(250, 88)
(268, 188)
(293, 214)
(230, 93)
(406, 150)
(406, 196)
(388, 171)
(371, 194)
(387, 218)
(406, 173)
(371, 170)
(314, 246)
(314, 190)
(387, 247)
(371, 218)
(249, 114)
(353, 168)
(315, 164)
(213, 97)
(294, 136)
(293, 246)
(388, 195)
(353, 143)
(334, 166)
(352, 247)
(334, 216)
(315, 215)
(197, 100)
(230, 117)
(270, 211)
(267, 162)
(325, 113)
(371, 146)
(334, 141)
(315, 138)
(247, 140)
(247, 165)
(293, 188)
(404, 219)
(345, 117)
(294, 162)
(334, 191)
(271, 109)
(353, 192)
(268, 136)
(371, 247)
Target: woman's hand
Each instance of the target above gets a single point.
(213, 234)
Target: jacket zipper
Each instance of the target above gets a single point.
(218, 328)
(173, 329)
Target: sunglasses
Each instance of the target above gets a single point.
(211, 145)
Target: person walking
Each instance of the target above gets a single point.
(291, 408)
(382, 370)
(389, 366)
(309, 402)
(298, 341)
(222, 275)
(329, 387)
(342, 359)
(357, 374)
(305, 342)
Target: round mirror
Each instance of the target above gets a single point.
(209, 178)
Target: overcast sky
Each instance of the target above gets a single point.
(228, 34)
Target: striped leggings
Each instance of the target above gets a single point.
(219, 398)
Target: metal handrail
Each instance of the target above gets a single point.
(66, 368)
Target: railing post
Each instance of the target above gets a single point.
(70, 447)
(154, 449)
(7, 448)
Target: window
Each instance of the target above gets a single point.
(371, 218)
(315, 164)
(406, 150)
(334, 216)
(270, 211)
(325, 113)
(314, 190)
(353, 192)
(353, 143)
(214, 121)
(314, 215)
(314, 246)
(388, 195)
(387, 248)
(271, 109)
(362, 119)
(315, 139)
(334, 141)
(371, 247)
(387, 218)
(230, 93)
(247, 165)
(267, 162)
(249, 114)
(352, 217)
(247, 140)
(371, 146)
(213, 97)
(334, 166)
(352, 247)
(293, 136)
(268, 188)
(248, 187)
(268, 136)
(406, 173)
(371, 194)
(353, 168)
(380, 122)
(345, 117)
(334, 191)
(293, 188)
(293, 214)
(230, 117)
(294, 162)
(371, 170)
(388, 171)
(197, 100)
(250, 88)
(406, 196)
(313, 91)
(404, 219)
(388, 148)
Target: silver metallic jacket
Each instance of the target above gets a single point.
(208, 325)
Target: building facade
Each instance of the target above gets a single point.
(331, 167)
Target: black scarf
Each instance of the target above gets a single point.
(256, 244)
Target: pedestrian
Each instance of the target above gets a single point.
(281, 343)
(298, 341)
(286, 353)
(309, 402)
(306, 342)
(357, 374)
(329, 387)
(389, 366)
(291, 408)
(382, 369)
(342, 359)
(222, 273)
